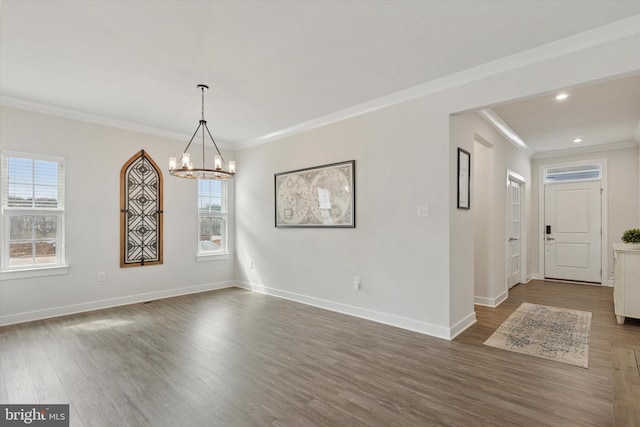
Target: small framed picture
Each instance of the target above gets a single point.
(464, 179)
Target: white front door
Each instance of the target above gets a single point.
(572, 234)
(514, 234)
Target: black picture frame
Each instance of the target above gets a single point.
(464, 179)
(316, 197)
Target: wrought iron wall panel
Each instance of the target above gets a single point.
(140, 212)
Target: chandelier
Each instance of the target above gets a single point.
(219, 172)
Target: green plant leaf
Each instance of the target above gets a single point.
(631, 236)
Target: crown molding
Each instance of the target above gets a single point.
(510, 135)
(67, 113)
(585, 150)
(607, 33)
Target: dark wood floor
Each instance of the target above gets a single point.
(234, 357)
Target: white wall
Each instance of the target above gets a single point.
(388, 248)
(484, 236)
(416, 273)
(490, 211)
(94, 155)
(622, 183)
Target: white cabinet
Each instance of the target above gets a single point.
(626, 285)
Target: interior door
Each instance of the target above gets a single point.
(514, 222)
(572, 234)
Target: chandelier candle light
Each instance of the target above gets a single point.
(186, 169)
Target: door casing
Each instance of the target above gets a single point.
(513, 176)
(604, 218)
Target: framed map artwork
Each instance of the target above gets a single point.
(322, 196)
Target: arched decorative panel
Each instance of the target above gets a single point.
(140, 212)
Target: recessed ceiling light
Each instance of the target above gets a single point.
(561, 96)
(577, 140)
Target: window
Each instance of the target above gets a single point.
(587, 172)
(32, 211)
(212, 217)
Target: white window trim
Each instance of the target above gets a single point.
(34, 272)
(7, 212)
(213, 257)
(60, 267)
(224, 252)
(225, 249)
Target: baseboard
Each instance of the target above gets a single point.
(491, 302)
(460, 327)
(376, 316)
(536, 276)
(610, 283)
(108, 303)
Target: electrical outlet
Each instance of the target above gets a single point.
(423, 211)
(251, 264)
(357, 283)
(102, 276)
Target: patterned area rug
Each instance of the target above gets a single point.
(551, 333)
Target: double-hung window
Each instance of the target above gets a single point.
(212, 217)
(32, 211)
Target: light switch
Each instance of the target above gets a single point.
(423, 211)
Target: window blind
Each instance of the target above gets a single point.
(32, 183)
(212, 196)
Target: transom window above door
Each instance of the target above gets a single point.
(575, 173)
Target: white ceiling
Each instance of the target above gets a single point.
(272, 65)
(602, 113)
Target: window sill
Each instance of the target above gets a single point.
(212, 257)
(34, 272)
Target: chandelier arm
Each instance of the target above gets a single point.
(214, 143)
(191, 140)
